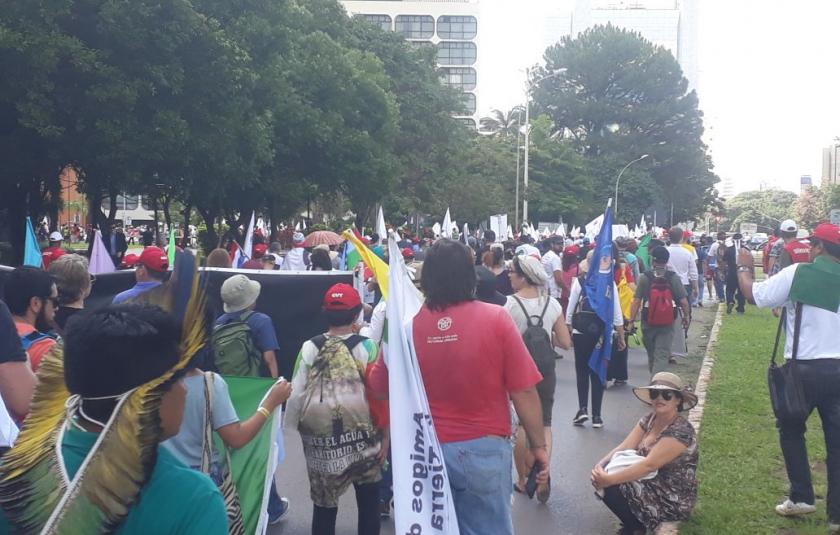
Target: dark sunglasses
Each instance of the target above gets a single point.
(53, 300)
(667, 395)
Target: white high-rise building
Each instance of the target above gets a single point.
(451, 26)
(668, 23)
(830, 168)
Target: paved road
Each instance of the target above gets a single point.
(572, 508)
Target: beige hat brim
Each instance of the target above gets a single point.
(643, 394)
(251, 293)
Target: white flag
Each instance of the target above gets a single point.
(248, 249)
(465, 234)
(380, 225)
(436, 230)
(100, 260)
(422, 496)
(594, 226)
(446, 228)
(643, 225)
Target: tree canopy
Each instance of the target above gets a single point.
(614, 96)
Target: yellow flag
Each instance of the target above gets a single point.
(379, 268)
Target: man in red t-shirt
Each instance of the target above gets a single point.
(54, 251)
(473, 362)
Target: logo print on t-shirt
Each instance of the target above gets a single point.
(444, 323)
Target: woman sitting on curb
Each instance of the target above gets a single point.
(655, 482)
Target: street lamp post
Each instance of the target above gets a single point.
(529, 84)
(617, 180)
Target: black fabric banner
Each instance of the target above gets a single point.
(291, 299)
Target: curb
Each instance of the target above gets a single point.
(695, 415)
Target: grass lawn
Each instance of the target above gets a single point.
(741, 472)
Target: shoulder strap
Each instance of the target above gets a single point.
(797, 324)
(207, 443)
(782, 318)
(353, 340)
(244, 317)
(528, 316)
(319, 341)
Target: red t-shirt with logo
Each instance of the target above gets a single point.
(472, 357)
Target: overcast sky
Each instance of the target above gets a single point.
(768, 81)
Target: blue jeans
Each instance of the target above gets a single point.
(480, 478)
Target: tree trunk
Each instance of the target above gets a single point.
(187, 215)
(212, 238)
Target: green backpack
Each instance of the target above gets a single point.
(234, 352)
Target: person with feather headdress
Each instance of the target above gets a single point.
(88, 458)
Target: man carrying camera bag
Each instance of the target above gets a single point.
(810, 291)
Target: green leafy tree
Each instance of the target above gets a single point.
(765, 208)
(614, 95)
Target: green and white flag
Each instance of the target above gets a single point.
(253, 465)
(422, 497)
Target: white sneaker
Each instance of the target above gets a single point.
(833, 528)
(789, 508)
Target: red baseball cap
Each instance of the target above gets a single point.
(259, 250)
(130, 260)
(154, 258)
(341, 297)
(408, 252)
(827, 232)
(571, 250)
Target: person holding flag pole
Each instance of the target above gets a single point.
(452, 366)
(595, 316)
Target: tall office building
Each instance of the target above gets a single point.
(668, 23)
(830, 169)
(450, 25)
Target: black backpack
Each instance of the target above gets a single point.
(585, 320)
(538, 341)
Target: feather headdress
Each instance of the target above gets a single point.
(35, 490)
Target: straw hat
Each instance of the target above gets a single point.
(667, 381)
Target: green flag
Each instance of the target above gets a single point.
(170, 249)
(643, 254)
(252, 465)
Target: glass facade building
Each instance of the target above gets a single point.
(451, 26)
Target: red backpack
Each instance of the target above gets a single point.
(661, 310)
(799, 251)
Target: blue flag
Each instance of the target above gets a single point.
(32, 252)
(600, 290)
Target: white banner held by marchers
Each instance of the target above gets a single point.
(422, 497)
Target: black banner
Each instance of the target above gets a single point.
(291, 299)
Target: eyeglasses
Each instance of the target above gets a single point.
(92, 279)
(51, 299)
(667, 395)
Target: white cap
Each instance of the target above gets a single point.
(56, 236)
(788, 225)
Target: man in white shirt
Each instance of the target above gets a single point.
(714, 260)
(815, 289)
(298, 258)
(552, 262)
(683, 262)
